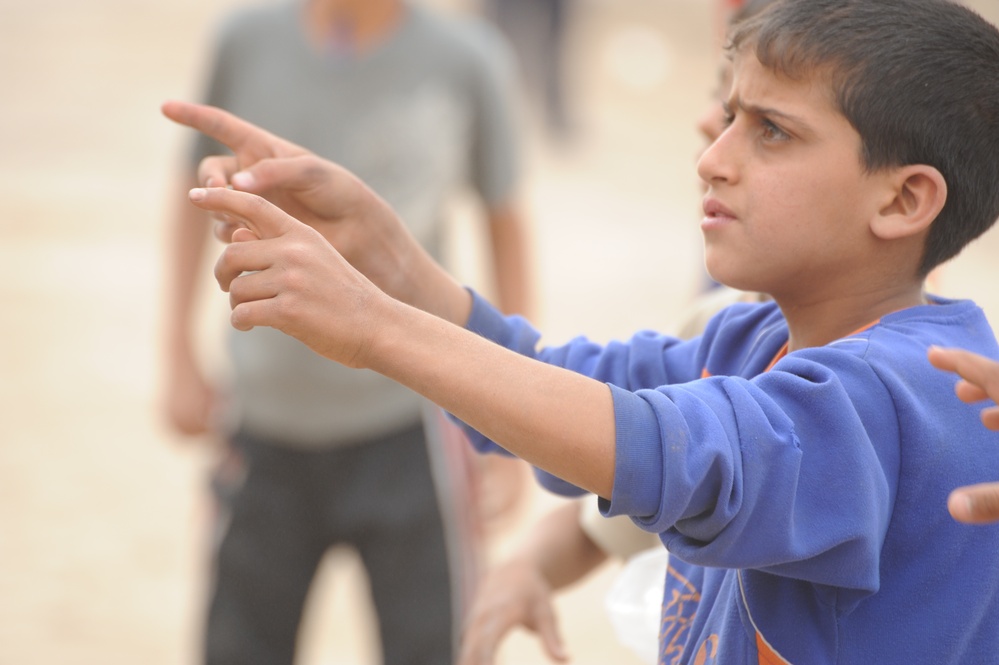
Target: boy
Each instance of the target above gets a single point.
(787, 456)
(571, 541)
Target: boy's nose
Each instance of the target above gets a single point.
(717, 162)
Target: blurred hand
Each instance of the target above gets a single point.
(979, 379)
(511, 595)
(190, 401)
(975, 504)
(502, 487)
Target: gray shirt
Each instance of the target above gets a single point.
(428, 112)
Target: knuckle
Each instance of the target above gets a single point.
(297, 253)
(236, 292)
(256, 203)
(283, 305)
(313, 168)
(293, 281)
(991, 386)
(285, 309)
(238, 318)
(223, 266)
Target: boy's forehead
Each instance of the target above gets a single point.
(755, 84)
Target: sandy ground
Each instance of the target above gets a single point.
(102, 515)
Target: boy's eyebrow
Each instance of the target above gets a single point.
(767, 112)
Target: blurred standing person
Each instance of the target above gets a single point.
(538, 29)
(418, 104)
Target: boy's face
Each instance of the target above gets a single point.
(788, 201)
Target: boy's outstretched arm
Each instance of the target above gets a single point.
(975, 504)
(283, 274)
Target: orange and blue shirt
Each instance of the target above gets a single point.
(802, 495)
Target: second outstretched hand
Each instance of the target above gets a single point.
(283, 274)
(979, 379)
(973, 504)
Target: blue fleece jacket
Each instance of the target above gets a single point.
(803, 504)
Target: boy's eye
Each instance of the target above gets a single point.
(772, 132)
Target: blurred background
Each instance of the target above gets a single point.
(102, 511)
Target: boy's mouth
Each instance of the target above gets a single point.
(715, 208)
(715, 214)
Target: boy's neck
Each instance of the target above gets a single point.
(353, 26)
(823, 321)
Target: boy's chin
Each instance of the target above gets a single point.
(724, 273)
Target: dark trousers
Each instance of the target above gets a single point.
(281, 509)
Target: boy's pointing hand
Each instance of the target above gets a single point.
(283, 274)
(362, 227)
(249, 143)
(311, 189)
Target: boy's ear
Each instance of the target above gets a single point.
(917, 195)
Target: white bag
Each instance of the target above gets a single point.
(634, 603)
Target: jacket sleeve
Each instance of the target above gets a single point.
(792, 472)
(646, 361)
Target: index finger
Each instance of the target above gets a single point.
(262, 217)
(942, 358)
(229, 130)
(973, 368)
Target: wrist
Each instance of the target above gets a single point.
(179, 347)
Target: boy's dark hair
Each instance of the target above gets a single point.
(750, 8)
(917, 79)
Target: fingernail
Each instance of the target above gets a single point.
(197, 194)
(242, 180)
(964, 505)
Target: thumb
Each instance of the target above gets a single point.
(293, 173)
(549, 634)
(243, 234)
(261, 216)
(975, 504)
